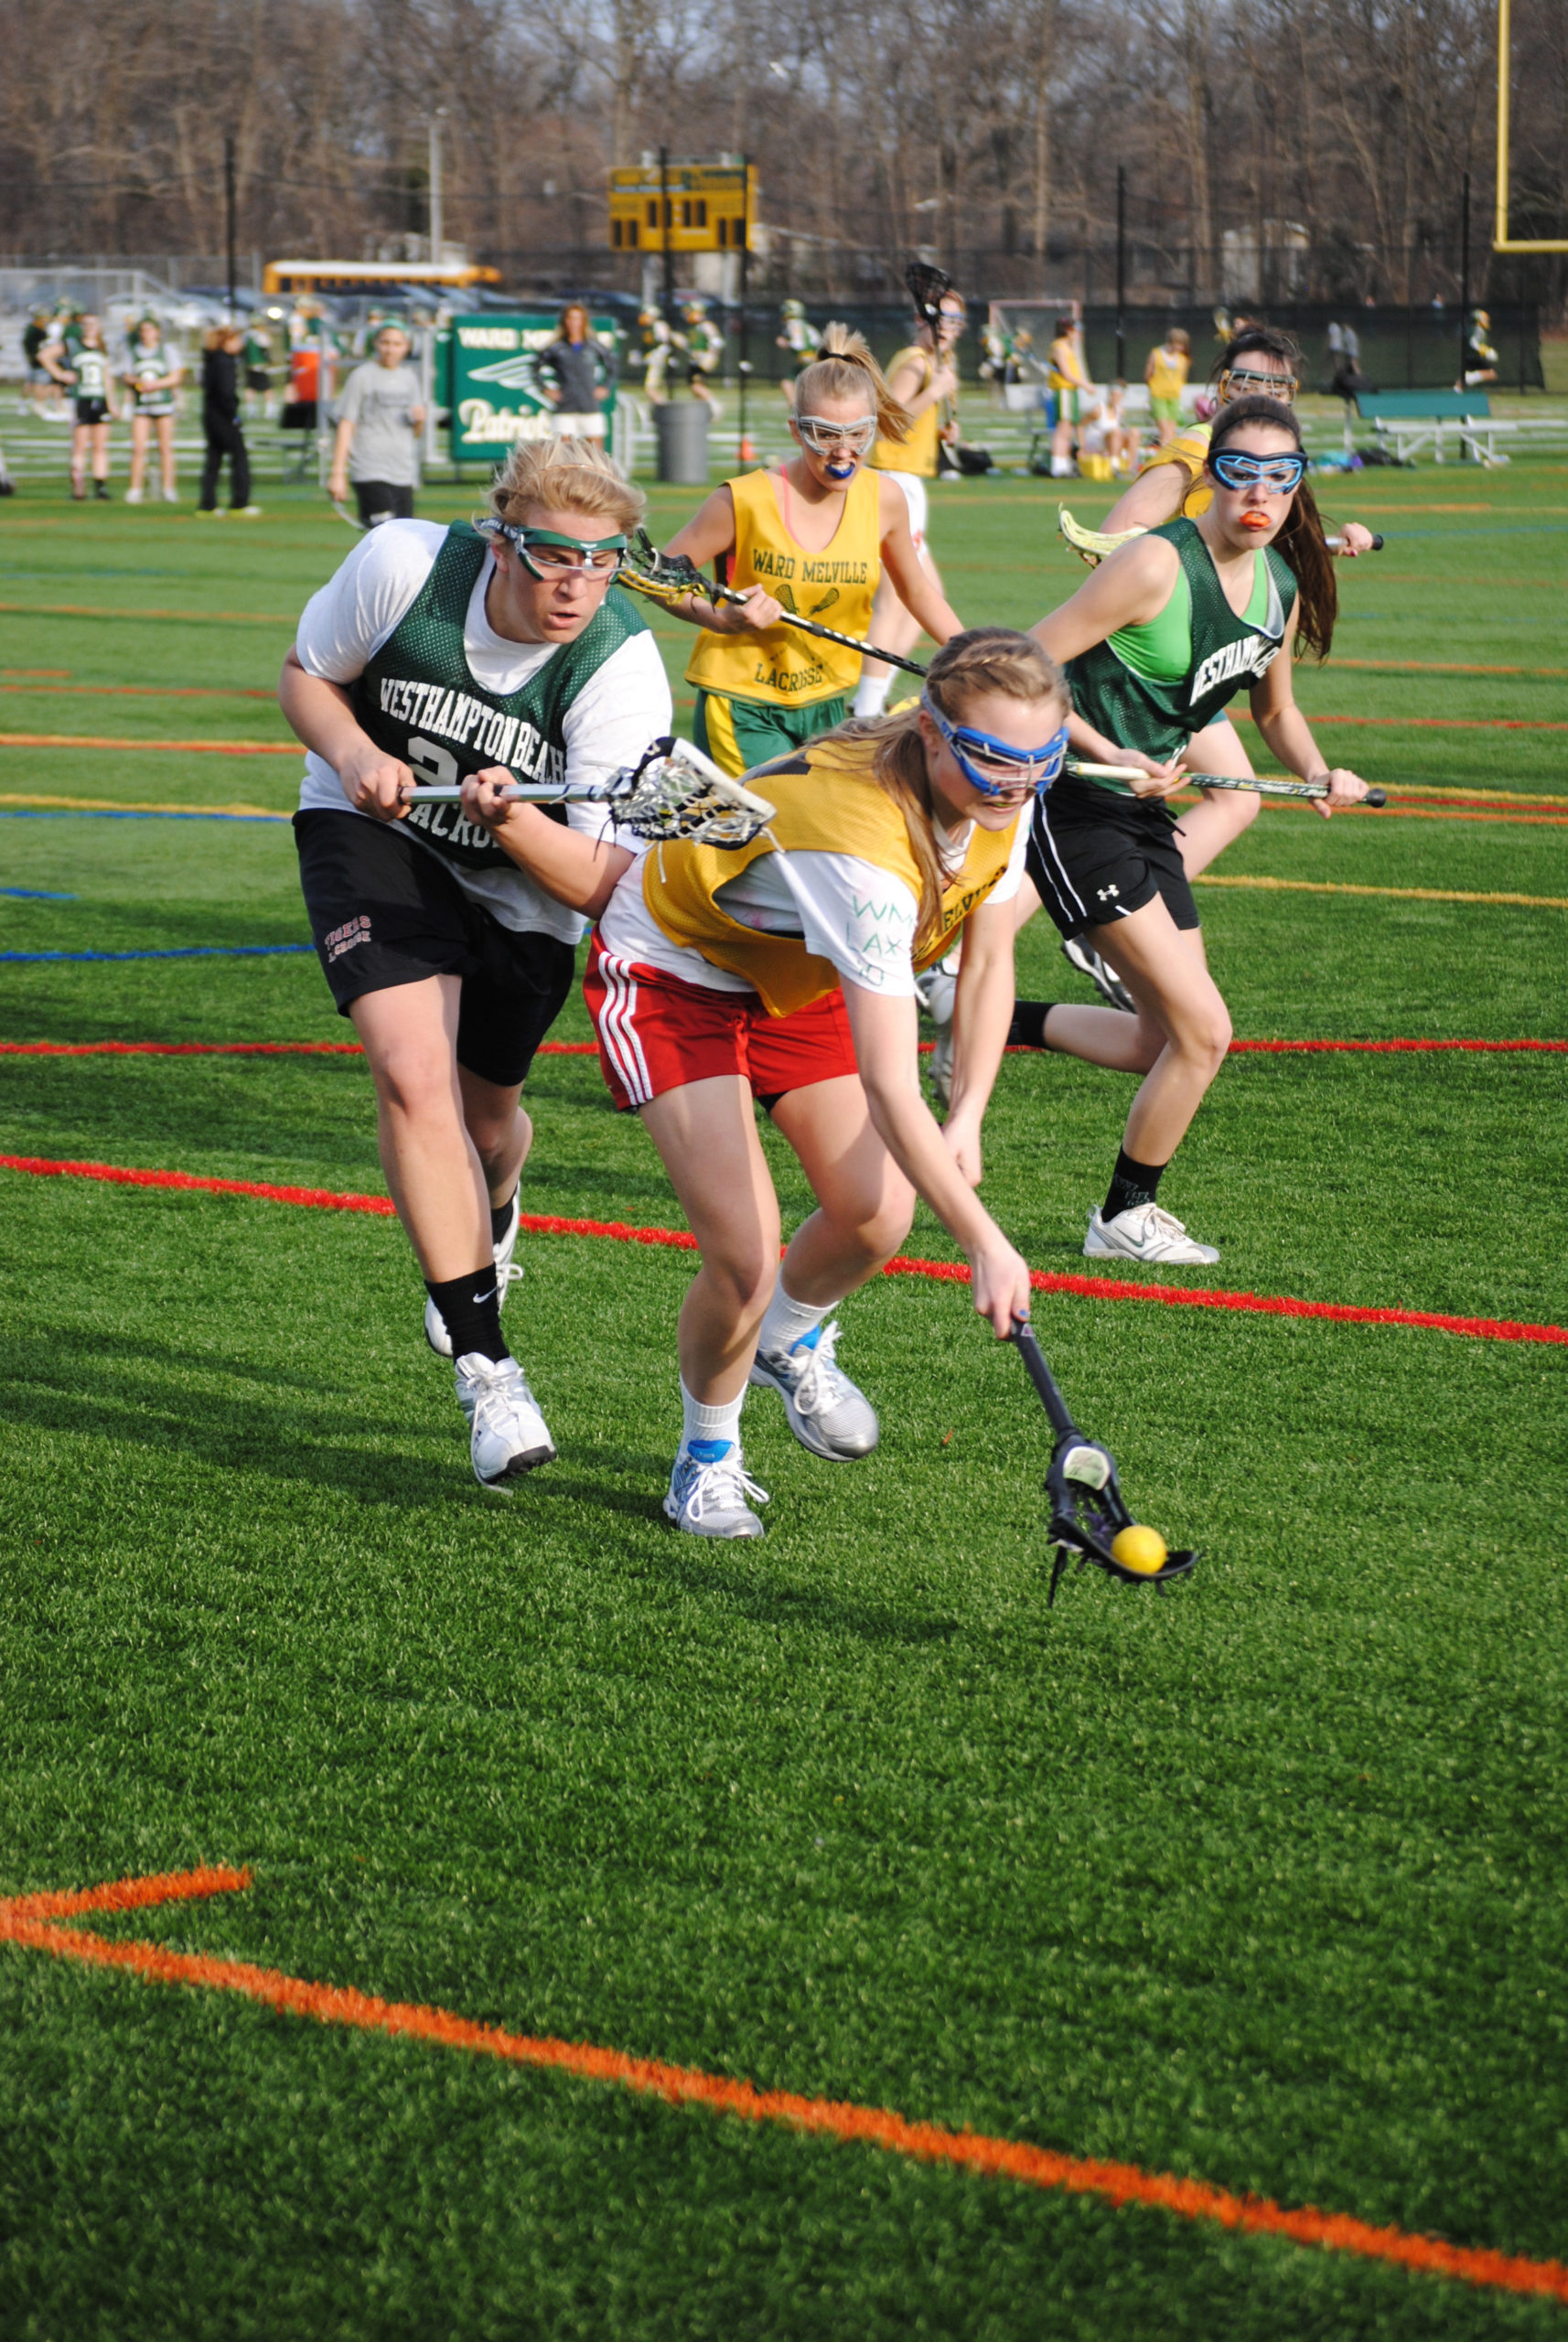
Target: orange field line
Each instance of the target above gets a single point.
(133, 691)
(185, 617)
(1430, 723)
(1440, 667)
(31, 1920)
(163, 747)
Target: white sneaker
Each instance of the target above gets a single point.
(827, 1413)
(133, 496)
(1101, 974)
(708, 1491)
(507, 1274)
(508, 1435)
(171, 496)
(1143, 1232)
(244, 511)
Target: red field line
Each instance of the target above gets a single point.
(185, 617)
(163, 747)
(1263, 1304)
(1442, 667)
(29, 1920)
(1434, 723)
(590, 1049)
(129, 691)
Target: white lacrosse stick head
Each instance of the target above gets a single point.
(678, 792)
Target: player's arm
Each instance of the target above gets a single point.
(321, 714)
(911, 580)
(1287, 734)
(342, 440)
(48, 358)
(1154, 498)
(885, 1033)
(1130, 588)
(708, 534)
(983, 1011)
(572, 866)
(906, 388)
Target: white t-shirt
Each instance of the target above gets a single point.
(845, 910)
(620, 708)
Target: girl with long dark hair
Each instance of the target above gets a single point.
(1155, 645)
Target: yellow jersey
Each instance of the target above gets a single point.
(1190, 449)
(828, 803)
(836, 585)
(917, 453)
(1168, 371)
(1064, 367)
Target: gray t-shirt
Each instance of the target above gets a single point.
(378, 401)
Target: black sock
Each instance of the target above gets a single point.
(500, 1218)
(1028, 1030)
(471, 1307)
(1132, 1184)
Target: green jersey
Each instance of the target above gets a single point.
(1152, 687)
(91, 368)
(418, 699)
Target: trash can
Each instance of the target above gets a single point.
(683, 428)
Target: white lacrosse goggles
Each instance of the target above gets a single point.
(825, 439)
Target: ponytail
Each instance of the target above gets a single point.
(1300, 542)
(843, 367)
(986, 659)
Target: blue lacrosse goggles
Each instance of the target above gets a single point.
(995, 767)
(1277, 475)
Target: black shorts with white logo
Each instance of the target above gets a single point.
(379, 501)
(1095, 856)
(92, 411)
(384, 912)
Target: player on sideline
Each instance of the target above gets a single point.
(920, 379)
(785, 971)
(1154, 645)
(812, 537)
(152, 374)
(432, 654)
(81, 358)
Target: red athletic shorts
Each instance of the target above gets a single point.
(656, 1033)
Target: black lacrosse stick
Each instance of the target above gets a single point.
(1086, 1511)
(927, 284)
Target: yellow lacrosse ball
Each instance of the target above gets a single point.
(1139, 1549)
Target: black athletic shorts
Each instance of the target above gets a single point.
(92, 410)
(1096, 856)
(379, 501)
(384, 911)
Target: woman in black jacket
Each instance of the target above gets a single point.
(220, 422)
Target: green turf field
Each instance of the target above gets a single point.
(1262, 1885)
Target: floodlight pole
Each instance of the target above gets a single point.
(1120, 272)
(229, 208)
(743, 361)
(666, 216)
(437, 222)
(1465, 282)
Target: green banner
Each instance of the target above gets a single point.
(486, 371)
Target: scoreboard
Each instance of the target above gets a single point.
(684, 207)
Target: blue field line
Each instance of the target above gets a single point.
(188, 952)
(37, 895)
(122, 814)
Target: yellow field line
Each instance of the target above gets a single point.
(109, 805)
(1405, 894)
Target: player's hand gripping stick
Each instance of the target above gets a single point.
(1089, 1518)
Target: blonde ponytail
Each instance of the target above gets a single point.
(987, 658)
(843, 367)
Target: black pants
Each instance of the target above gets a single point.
(224, 437)
(379, 501)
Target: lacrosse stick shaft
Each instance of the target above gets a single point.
(538, 792)
(1267, 786)
(712, 592)
(1336, 544)
(1045, 1381)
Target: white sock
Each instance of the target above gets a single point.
(871, 695)
(720, 1425)
(787, 1322)
(1061, 467)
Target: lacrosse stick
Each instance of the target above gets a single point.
(347, 517)
(1264, 788)
(1087, 1515)
(674, 791)
(665, 578)
(1093, 544)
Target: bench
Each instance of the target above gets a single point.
(1412, 419)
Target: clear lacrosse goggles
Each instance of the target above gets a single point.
(995, 767)
(1242, 382)
(1276, 475)
(545, 555)
(825, 439)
